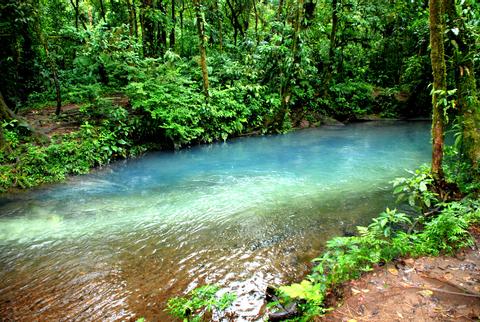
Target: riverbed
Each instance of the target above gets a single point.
(244, 214)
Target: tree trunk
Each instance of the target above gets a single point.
(234, 21)
(329, 67)
(280, 10)
(130, 18)
(148, 29)
(76, 14)
(53, 66)
(5, 115)
(257, 40)
(466, 85)
(201, 45)
(102, 9)
(172, 32)
(3, 142)
(220, 26)
(437, 57)
(134, 18)
(161, 31)
(470, 108)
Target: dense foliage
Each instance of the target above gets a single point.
(205, 70)
(391, 235)
(262, 66)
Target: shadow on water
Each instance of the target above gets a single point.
(118, 243)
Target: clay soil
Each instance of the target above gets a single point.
(423, 289)
(45, 121)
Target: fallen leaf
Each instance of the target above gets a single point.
(355, 291)
(365, 290)
(426, 293)
(352, 320)
(448, 276)
(400, 315)
(393, 271)
(409, 261)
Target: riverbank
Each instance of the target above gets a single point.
(444, 288)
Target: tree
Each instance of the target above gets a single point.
(437, 56)
(5, 115)
(201, 45)
(51, 63)
(462, 52)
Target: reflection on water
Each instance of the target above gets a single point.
(116, 244)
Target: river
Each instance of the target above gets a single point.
(117, 243)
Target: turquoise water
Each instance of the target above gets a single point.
(251, 212)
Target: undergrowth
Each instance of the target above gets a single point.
(391, 235)
(199, 303)
(31, 161)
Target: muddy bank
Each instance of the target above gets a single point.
(423, 289)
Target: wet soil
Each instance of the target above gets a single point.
(46, 122)
(423, 289)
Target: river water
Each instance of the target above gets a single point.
(116, 244)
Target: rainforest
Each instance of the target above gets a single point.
(227, 160)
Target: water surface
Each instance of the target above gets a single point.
(114, 245)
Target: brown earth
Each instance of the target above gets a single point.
(46, 122)
(423, 289)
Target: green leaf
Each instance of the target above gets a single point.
(423, 186)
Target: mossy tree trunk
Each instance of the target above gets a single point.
(5, 115)
(201, 45)
(437, 57)
(466, 84)
(329, 67)
(52, 63)
(470, 107)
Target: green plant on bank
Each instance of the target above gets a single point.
(198, 303)
(389, 236)
(415, 189)
(31, 163)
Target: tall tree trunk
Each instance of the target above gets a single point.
(182, 10)
(470, 108)
(3, 142)
(257, 40)
(102, 9)
(298, 25)
(130, 18)
(437, 56)
(76, 14)
(466, 84)
(201, 45)
(220, 26)
(53, 65)
(234, 21)
(134, 16)
(5, 115)
(172, 32)
(148, 29)
(161, 31)
(329, 67)
(280, 10)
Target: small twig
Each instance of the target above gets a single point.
(444, 291)
(450, 284)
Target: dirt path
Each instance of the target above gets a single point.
(424, 289)
(46, 122)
